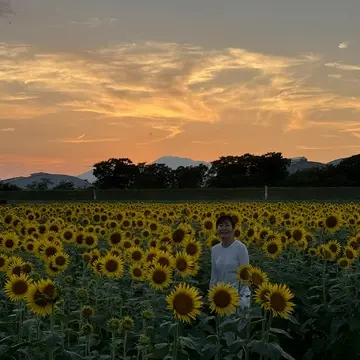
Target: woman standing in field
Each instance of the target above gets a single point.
(227, 256)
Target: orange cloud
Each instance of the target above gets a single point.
(148, 93)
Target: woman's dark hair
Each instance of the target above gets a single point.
(224, 218)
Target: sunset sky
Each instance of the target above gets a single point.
(85, 80)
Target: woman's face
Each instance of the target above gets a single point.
(225, 229)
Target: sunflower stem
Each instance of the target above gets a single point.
(113, 345)
(217, 355)
(125, 341)
(52, 326)
(175, 343)
(324, 284)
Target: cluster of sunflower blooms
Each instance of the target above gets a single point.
(185, 301)
(333, 251)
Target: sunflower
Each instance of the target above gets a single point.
(350, 253)
(16, 287)
(184, 264)
(344, 262)
(14, 266)
(67, 235)
(135, 254)
(164, 259)
(41, 297)
(115, 238)
(160, 277)
(137, 272)
(279, 302)
(257, 277)
(261, 293)
(179, 235)
(243, 274)
(127, 323)
(150, 254)
(10, 242)
(334, 247)
(185, 302)
(223, 299)
(273, 248)
(193, 248)
(61, 260)
(332, 223)
(112, 266)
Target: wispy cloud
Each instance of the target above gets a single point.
(344, 45)
(204, 142)
(81, 136)
(94, 22)
(8, 130)
(342, 66)
(81, 140)
(166, 85)
(328, 148)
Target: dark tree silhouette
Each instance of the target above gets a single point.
(115, 173)
(153, 176)
(188, 177)
(248, 170)
(65, 185)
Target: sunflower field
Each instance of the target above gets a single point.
(131, 281)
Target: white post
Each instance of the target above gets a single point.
(266, 192)
(94, 194)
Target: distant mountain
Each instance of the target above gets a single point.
(55, 179)
(174, 162)
(302, 163)
(88, 176)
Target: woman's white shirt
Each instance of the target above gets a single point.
(224, 263)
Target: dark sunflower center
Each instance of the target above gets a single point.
(9, 243)
(159, 277)
(50, 251)
(208, 225)
(257, 279)
(333, 248)
(349, 254)
(250, 232)
(297, 235)
(191, 249)
(137, 272)
(16, 270)
(115, 238)
(344, 263)
(26, 268)
(136, 255)
(181, 264)
(272, 248)
(183, 304)
(50, 291)
(331, 221)
(111, 265)
(68, 235)
(277, 302)
(89, 240)
(60, 260)
(163, 261)
(222, 299)
(20, 287)
(178, 235)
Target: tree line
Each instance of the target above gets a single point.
(270, 169)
